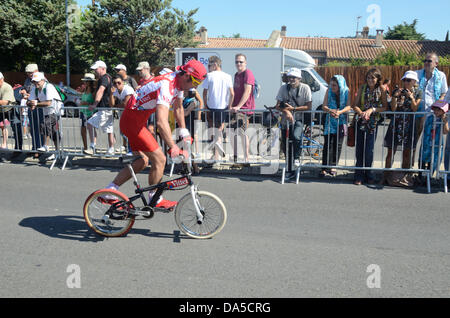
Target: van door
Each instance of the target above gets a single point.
(318, 87)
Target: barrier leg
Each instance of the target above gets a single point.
(171, 169)
(283, 173)
(65, 162)
(54, 161)
(297, 175)
(445, 182)
(428, 182)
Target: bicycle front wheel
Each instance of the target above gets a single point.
(213, 211)
(107, 212)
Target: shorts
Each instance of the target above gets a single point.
(84, 119)
(240, 122)
(49, 126)
(133, 125)
(4, 116)
(218, 116)
(103, 119)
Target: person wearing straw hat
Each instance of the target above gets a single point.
(87, 98)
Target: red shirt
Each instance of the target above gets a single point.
(240, 79)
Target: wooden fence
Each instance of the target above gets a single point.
(355, 75)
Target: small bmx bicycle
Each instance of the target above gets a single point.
(199, 214)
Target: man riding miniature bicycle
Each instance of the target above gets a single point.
(157, 96)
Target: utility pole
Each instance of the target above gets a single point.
(67, 49)
(357, 25)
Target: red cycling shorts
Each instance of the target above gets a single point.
(133, 124)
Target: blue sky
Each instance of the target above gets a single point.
(258, 18)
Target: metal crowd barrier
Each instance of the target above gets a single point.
(345, 157)
(267, 141)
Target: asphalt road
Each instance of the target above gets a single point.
(315, 239)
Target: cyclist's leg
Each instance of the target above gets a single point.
(138, 165)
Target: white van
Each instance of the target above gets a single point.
(267, 65)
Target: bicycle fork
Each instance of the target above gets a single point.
(198, 208)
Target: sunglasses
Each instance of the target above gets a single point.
(117, 83)
(239, 62)
(428, 61)
(195, 81)
(407, 80)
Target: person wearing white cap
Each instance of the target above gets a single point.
(122, 71)
(293, 98)
(6, 98)
(35, 116)
(46, 96)
(401, 128)
(103, 118)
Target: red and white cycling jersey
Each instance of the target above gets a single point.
(160, 90)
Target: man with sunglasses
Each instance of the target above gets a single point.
(157, 96)
(433, 84)
(244, 81)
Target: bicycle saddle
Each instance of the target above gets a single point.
(126, 160)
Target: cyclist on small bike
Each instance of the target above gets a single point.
(158, 95)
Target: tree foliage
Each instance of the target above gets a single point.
(404, 31)
(32, 31)
(114, 31)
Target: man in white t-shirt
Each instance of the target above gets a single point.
(218, 95)
(46, 96)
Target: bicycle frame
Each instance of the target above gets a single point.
(173, 184)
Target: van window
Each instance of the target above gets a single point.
(310, 81)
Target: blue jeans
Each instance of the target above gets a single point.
(294, 142)
(365, 142)
(36, 118)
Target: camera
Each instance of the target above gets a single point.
(283, 105)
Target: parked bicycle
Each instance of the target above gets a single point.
(199, 214)
(312, 138)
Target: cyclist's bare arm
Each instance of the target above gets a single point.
(162, 115)
(178, 111)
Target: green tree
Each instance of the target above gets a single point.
(132, 31)
(404, 31)
(32, 31)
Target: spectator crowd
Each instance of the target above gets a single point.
(407, 109)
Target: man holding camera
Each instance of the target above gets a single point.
(292, 100)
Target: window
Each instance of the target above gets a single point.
(310, 81)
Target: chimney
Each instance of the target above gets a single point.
(283, 30)
(365, 32)
(379, 38)
(204, 35)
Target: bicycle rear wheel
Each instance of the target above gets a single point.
(213, 210)
(107, 212)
